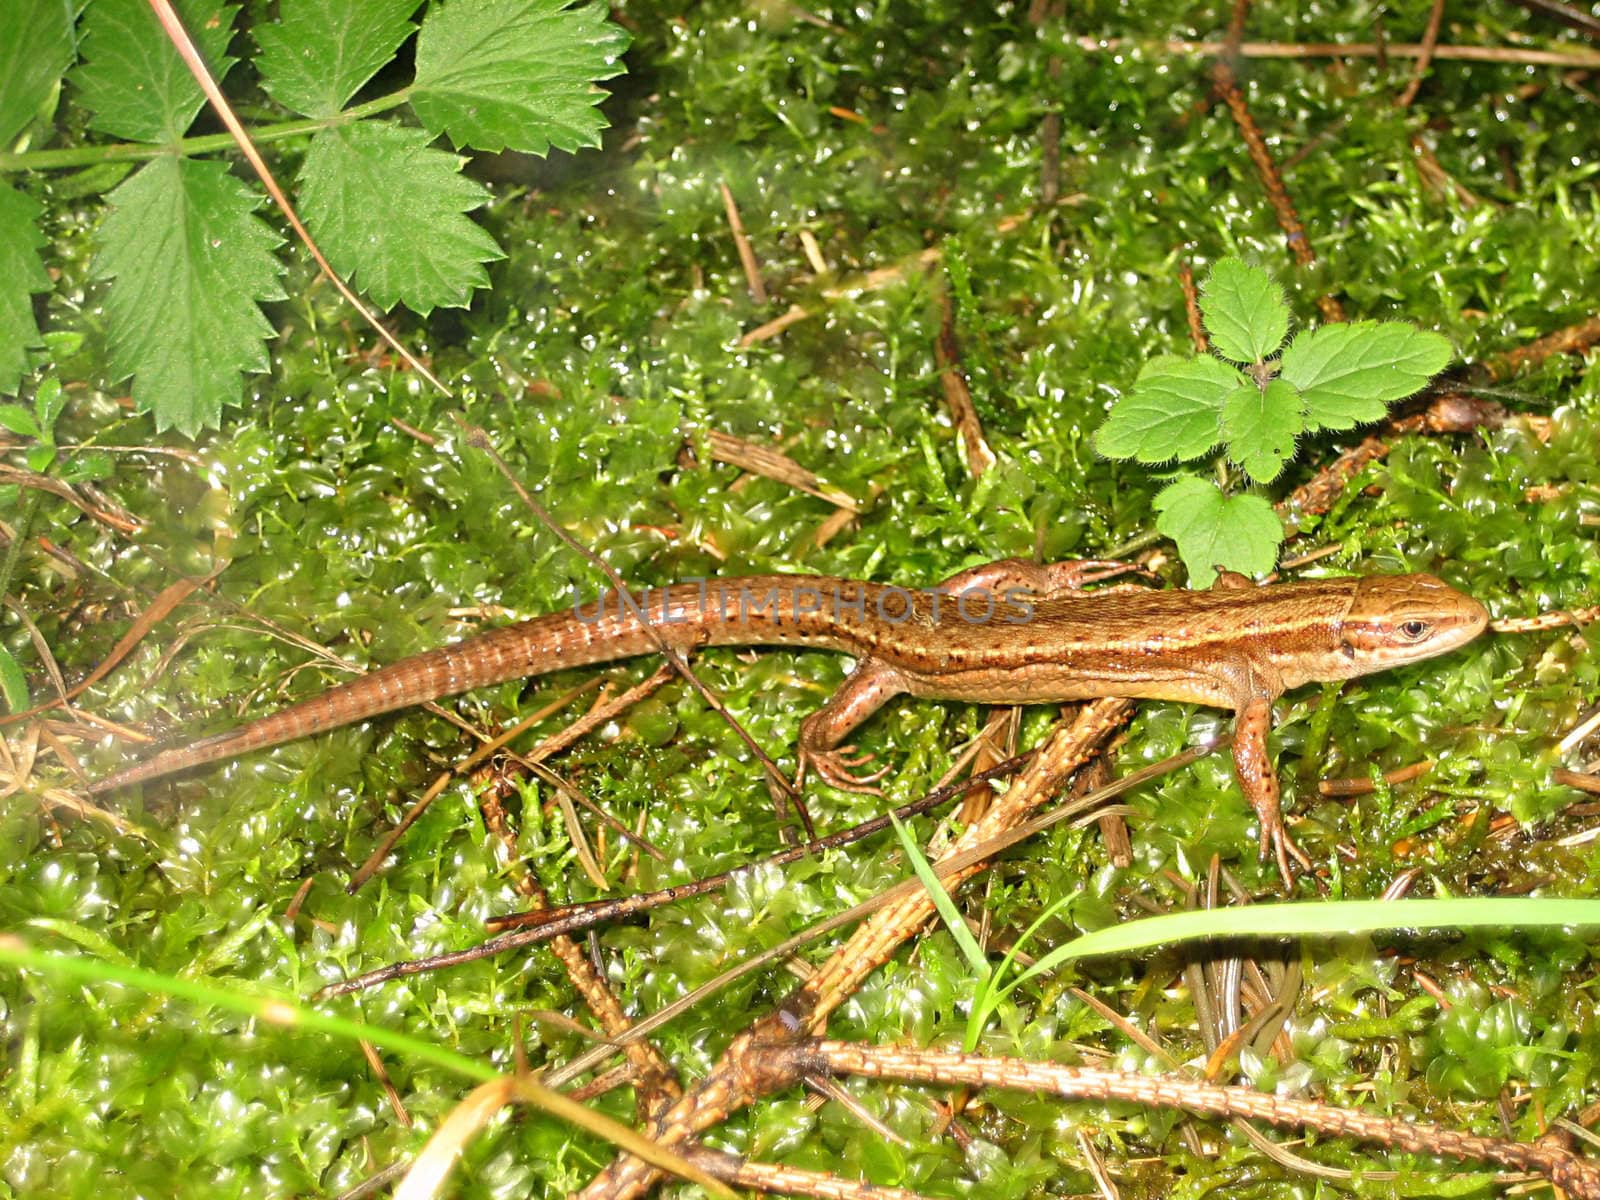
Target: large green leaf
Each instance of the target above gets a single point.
(388, 212)
(35, 48)
(1350, 374)
(319, 52)
(1173, 412)
(188, 260)
(517, 74)
(21, 274)
(1236, 533)
(1261, 424)
(132, 78)
(1244, 312)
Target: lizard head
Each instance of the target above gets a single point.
(1395, 619)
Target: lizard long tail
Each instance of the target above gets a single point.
(683, 617)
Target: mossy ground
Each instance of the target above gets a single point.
(611, 340)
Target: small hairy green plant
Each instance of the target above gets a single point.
(1255, 402)
(186, 261)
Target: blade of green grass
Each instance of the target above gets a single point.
(280, 1010)
(1323, 919)
(941, 899)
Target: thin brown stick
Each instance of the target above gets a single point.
(113, 517)
(747, 254)
(791, 1181)
(1547, 620)
(1191, 308)
(1567, 14)
(169, 598)
(1575, 339)
(597, 716)
(1236, 22)
(1436, 179)
(1365, 787)
(41, 646)
(773, 464)
(1039, 13)
(957, 395)
(1283, 208)
(71, 567)
(771, 329)
(1583, 781)
(1430, 40)
(1579, 1178)
(813, 252)
(1506, 55)
(291, 912)
(386, 844)
(396, 1105)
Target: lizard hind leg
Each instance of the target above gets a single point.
(867, 689)
(1041, 579)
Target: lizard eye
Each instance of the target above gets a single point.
(1414, 630)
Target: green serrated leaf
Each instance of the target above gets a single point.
(1244, 312)
(35, 48)
(1261, 425)
(190, 261)
(13, 684)
(320, 52)
(132, 80)
(21, 274)
(1238, 533)
(518, 74)
(388, 212)
(1173, 412)
(39, 458)
(1350, 374)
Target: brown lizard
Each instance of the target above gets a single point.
(1008, 632)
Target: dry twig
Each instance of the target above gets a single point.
(747, 255)
(1579, 1178)
(947, 354)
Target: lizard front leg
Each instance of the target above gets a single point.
(873, 683)
(1259, 782)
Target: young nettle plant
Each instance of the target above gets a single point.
(1256, 404)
